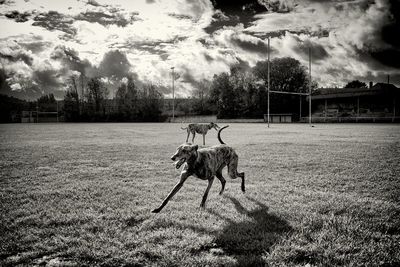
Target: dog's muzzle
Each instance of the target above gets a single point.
(179, 163)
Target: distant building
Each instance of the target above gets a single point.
(378, 103)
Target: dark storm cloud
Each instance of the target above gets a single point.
(187, 77)
(154, 48)
(18, 17)
(390, 35)
(220, 21)
(318, 52)
(46, 79)
(37, 45)
(70, 59)
(242, 64)
(208, 57)
(273, 34)
(105, 19)
(53, 20)
(234, 12)
(179, 16)
(115, 65)
(253, 47)
(230, 7)
(276, 6)
(93, 3)
(388, 57)
(18, 57)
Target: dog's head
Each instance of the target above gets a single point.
(213, 125)
(183, 153)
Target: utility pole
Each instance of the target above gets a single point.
(309, 93)
(268, 79)
(173, 95)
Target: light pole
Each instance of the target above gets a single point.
(268, 79)
(309, 97)
(173, 95)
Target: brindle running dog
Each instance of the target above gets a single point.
(200, 129)
(204, 163)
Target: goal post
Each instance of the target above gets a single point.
(289, 93)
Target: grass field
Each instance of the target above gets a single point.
(81, 194)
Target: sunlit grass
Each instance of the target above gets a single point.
(81, 194)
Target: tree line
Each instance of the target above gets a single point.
(242, 92)
(239, 93)
(90, 102)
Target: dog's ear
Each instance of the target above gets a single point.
(195, 147)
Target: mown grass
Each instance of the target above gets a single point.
(81, 194)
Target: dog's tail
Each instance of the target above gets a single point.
(219, 134)
(183, 128)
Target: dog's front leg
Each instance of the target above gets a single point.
(193, 136)
(177, 187)
(210, 182)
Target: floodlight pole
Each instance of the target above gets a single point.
(309, 93)
(268, 80)
(173, 95)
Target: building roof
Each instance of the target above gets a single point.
(377, 89)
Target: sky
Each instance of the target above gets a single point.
(44, 42)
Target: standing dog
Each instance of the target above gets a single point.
(200, 129)
(205, 164)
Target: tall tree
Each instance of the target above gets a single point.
(127, 100)
(120, 98)
(224, 96)
(150, 104)
(131, 98)
(71, 108)
(47, 103)
(75, 93)
(355, 84)
(97, 93)
(286, 74)
(201, 98)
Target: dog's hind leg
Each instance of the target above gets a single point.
(203, 201)
(204, 139)
(233, 173)
(222, 180)
(176, 188)
(241, 174)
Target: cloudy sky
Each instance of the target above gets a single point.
(43, 42)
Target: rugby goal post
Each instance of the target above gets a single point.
(289, 93)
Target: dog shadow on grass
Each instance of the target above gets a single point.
(249, 241)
